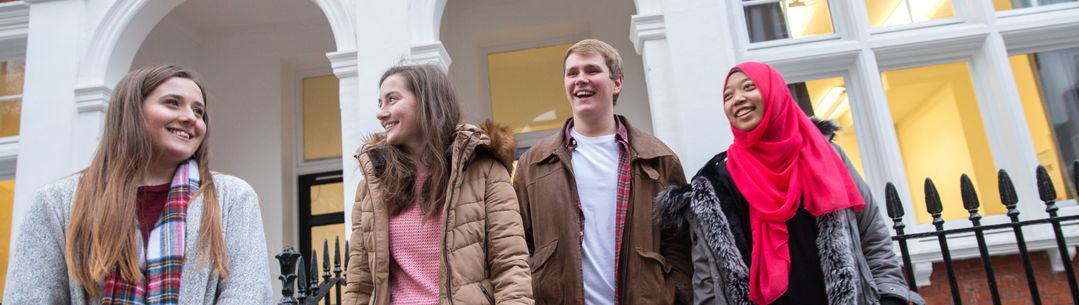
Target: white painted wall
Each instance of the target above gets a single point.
(470, 30)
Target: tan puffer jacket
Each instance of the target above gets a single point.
(484, 257)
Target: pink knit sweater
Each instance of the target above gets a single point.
(415, 249)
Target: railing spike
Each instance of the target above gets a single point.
(347, 256)
(970, 196)
(337, 251)
(1007, 190)
(891, 197)
(313, 289)
(325, 259)
(301, 275)
(932, 198)
(1046, 190)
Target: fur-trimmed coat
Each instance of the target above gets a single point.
(855, 248)
(484, 259)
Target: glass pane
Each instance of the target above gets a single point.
(526, 88)
(11, 76)
(321, 118)
(7, 200)
(1052, 116)
(808, 18)
(827, 100)
(10, 111)
(327, 198)
(766, 22)
(327, 233)
(788, 19)
(899, 12)
(941, 135)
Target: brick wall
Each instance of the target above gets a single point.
(1011, 281)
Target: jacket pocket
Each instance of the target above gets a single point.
(547, 281)
(649, 284)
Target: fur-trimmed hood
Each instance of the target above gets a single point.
(469, 141)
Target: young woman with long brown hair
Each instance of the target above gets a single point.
(435, 220)
(146, 222)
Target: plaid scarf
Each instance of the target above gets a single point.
(163, 258)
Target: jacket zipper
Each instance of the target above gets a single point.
(490, 298)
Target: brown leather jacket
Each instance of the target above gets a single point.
(484, 258)
(657, 262)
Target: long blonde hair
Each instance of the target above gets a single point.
(102, 236)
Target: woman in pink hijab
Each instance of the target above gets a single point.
(781, 217)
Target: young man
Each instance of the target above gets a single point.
(586, 196)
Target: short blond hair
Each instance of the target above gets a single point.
(596, 46)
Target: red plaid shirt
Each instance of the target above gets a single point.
(622, 203)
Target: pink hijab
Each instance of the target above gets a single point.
(783, 163)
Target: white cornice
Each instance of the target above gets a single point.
(14, 20)
(646, 27)
(431, 53)
(92, 98)
(343, 63)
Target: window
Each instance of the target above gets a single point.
(526, 88)
(781, 19)
(884, 13)
(1048, 85)
(7, 200)
(322, 215)
(1003, 5)
(321, 118)
(826, 99)
(11, 77)
(941, 135)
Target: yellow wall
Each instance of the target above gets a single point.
(321, 118)
(896, 12)
(526, 88)
(1002, 5)
(1045, 145)
(941, 136)
(7, 196)
(811, 19)
(845, 137)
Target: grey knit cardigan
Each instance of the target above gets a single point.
(37, 273)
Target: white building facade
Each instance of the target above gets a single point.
(924, 88)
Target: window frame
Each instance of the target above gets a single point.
(742, 29)
(304, 166)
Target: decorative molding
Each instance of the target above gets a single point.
(1043, 32)
(92, 98)
(343, 63)
(116, 39)
(898, 50)
(14, 22)
(425, 18)
(646, 27)
(430, 53)
(339, 15)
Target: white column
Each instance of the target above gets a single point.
(48, 108)
(343, 64)
(684, 94)
(378, 47)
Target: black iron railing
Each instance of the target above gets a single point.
(311, 290)
(1008, 197)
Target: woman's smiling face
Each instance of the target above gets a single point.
(742, 102)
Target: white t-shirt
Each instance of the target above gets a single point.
(595, 167)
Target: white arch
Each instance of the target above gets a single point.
(127, 22)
